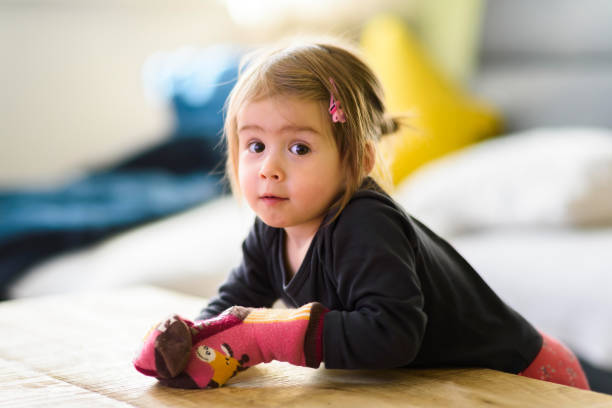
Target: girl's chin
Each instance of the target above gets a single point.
(272, 222)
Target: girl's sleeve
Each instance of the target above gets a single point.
(248, 284)
(382, 322)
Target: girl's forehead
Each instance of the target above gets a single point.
(277, 112)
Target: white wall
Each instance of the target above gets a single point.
(70, 89)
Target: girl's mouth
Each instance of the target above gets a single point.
(272, 199)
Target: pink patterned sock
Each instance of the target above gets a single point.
(262, 335)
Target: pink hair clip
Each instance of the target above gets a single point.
(335, 111)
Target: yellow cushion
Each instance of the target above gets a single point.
(442, 118)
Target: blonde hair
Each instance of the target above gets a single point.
(304, 71)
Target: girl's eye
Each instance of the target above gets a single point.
(299, 149)
(256, 147)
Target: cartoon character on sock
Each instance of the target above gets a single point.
(224, 365)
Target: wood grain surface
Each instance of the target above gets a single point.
(76, 351)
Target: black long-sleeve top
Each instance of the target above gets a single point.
(398, 294)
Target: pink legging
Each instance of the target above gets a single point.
(557, 364)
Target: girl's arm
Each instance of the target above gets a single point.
(248, 284)
(382, 323)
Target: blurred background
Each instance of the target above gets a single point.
(112, 110)
(111, 168)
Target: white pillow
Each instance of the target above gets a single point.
(542, 177)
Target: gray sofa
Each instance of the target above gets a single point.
(547, 62)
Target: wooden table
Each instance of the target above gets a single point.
(76, 350)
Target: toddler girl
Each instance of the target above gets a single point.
(367, 285)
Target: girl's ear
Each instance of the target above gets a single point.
(370, 158)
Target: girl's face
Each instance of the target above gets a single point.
(289, 167)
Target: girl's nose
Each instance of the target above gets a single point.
(271, 169)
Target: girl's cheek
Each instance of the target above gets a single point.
(247, 167)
